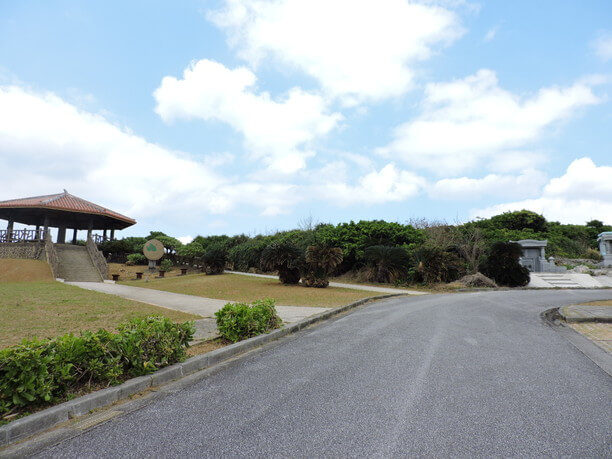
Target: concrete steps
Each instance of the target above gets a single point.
(75, 264)
(559, 280)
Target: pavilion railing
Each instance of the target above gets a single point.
(24, 235)
(98, 239)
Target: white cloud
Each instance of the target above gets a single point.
(583, 193)
(602, 46)
(279, 132)
(47, 144)
(388, 184)
(491, 33)
(469, 120)
(357, 49)
(529, 183)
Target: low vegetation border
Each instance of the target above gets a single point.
(51, 417)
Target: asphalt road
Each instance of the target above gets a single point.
(464, 375)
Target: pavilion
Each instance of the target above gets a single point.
(62, 211)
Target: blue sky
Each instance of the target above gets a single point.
(208, 117)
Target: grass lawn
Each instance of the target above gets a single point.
(598, 303)
(234, 287)
(18, 270)
(47, 309)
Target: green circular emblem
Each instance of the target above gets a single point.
(153, 250)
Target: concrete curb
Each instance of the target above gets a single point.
(596, 354)
(572, 317)
(51, 417)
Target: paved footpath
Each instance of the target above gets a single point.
(472, 375)
(369, 288)
(205, 307)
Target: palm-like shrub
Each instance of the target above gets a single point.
(385, 264)
(502, 265)
(321, 260)
(214, 259)
(437, 265)
(285, 258)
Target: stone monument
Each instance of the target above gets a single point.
(534, 257)
(605, 247)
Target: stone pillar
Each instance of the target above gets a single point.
(9, 231)
(104, 235)
(61, 235)
(112, 235)
(74, 236)
(38, 232)
(89, 229)
(46, 225)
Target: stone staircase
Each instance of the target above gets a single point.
(75, 264)
(559, 280)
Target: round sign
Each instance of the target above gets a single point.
(153, 250)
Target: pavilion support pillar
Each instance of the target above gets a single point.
(46, 225)
(9, 230)
(38, 232)
(89, 229)
(104, 235)
(112, 235)
(74, 236)
(61, 235)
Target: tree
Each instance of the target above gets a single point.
(284, 257)
(521, 220)
(214, 259)
(502, 265)
(321, 260)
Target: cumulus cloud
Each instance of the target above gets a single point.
(389, 184)
(278, 131)
(602, 46)
(357, 50)
(47, 144)
(583, 193)
(468, 120)
(529, 183)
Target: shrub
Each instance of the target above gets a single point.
(165, 265)
(36, 372)
(284, 257)
(144, 345)
(238, 321)
(136, 259)
(437, 265)
(214, 259)
(246, 255)
(320, 260)
(594, 255)
(385, 264)
(502, 265)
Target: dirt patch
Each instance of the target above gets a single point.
(206, 346)
(18, 270)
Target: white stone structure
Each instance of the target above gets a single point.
(534, 257)
(605, 247)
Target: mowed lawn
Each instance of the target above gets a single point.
(46, 309)
(234, 287)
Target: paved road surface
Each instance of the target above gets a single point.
(464, 375)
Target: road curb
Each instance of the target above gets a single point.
(55, 415)
(573, 318)
(597, 355)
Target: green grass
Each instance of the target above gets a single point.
(234, 287)
(48, 309)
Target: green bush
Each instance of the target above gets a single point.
(214, 259)
(320, 261)
(502, 265)
(437, 265)
(594, 255)
(136, 259)
(166, 265)
(238, 321)
(37, 372)
(385, 264)
(284, 257)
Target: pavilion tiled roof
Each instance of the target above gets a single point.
(66, 202)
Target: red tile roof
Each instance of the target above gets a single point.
(67, 202)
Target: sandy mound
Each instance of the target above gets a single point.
(477, 280)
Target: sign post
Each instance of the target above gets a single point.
(153, 250)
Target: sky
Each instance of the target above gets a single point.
(251, 116)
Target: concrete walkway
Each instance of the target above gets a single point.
(205, 307)
(568, 280)
(369, 288)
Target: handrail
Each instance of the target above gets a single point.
(24, 235)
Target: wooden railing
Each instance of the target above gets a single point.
(24, 235)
